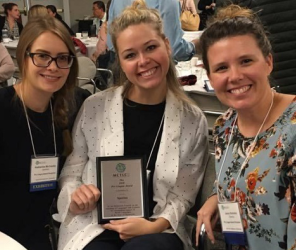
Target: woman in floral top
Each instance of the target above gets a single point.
(255, 140)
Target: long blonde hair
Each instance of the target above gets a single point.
(135, 14)
(37, 10)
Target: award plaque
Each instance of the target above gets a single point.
(123, 185)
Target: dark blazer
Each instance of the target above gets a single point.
(2, 22)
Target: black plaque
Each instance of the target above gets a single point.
(123, 185)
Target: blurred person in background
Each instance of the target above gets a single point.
(190, 5)
(52, 11)
(170, 12)
(101, 47)
(99, 12)
(9, 22)
(6, 66)
(37, 10)
(207, 8)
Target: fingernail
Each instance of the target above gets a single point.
(213, 242)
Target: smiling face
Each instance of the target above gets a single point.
(239, 72)
(47, 80)
(14, 12)
(144, 58)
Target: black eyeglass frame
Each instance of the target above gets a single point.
(30, 54)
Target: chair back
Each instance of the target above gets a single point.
(206, 187)
(86, 74)
(211, 107)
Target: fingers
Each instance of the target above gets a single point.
(204, 219)
(198, 229)
(118, 222)
(125, 237)
(84, 199)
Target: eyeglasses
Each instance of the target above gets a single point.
(44, 60)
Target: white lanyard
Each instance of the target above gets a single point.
(155, 141)
(220, 195)
(29, 127)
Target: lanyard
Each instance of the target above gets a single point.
(155, 141)
(221, 199)
(29, 127)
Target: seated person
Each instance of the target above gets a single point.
(9, 22)
(52, 11)
(37, 114)
(146, 114)
(255, 140)
(6, 66)
(100, 15)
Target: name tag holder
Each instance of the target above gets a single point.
(43, 173)
(231, 222)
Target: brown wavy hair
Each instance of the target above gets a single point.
(64, 97)
(231, 21)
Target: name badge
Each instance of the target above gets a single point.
(44, 173)
(232, 226)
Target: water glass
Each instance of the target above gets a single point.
(85, 34)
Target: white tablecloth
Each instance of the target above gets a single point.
(90, 44)
(193, 67)
(7, 243)
(191, 35)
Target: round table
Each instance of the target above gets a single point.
(8, 243)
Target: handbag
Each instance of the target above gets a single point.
(189, 21)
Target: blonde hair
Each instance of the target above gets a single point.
(135, 14)
(37, 11)
(64, 97)
(231, 21)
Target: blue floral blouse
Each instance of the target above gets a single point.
(266, 187)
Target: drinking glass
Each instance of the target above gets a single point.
(85, 34)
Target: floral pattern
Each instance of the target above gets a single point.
(261, 176)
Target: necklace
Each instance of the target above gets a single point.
(221, 199)
(29, 127)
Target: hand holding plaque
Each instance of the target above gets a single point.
(122, 182)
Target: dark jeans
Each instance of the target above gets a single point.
(160, 241)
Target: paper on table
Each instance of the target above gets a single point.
(208, 86)
(191, 35)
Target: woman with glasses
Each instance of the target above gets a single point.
(36, 117)
(9, 22)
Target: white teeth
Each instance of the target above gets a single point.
(240, 91)
(149, 72)
(51, 77)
